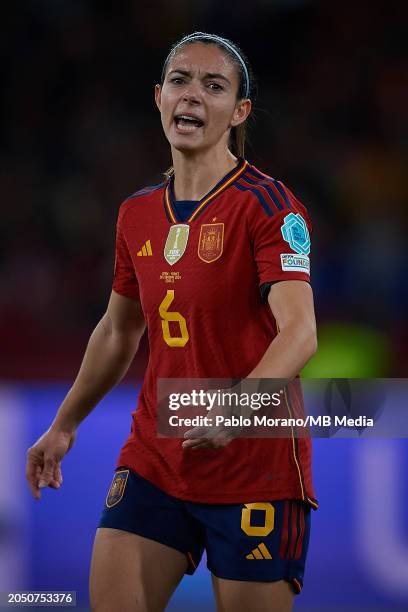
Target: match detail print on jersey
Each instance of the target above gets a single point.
(211, 242)
(176, 243)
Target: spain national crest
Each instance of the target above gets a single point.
(211, 242)
(117, 488)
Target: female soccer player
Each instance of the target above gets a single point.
(214, 261)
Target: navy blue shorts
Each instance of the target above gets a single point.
(262, 542)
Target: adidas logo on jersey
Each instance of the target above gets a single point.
(260, 552)
(146, 250)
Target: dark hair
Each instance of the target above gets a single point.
(246, 87)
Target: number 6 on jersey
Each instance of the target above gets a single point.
(176, 317)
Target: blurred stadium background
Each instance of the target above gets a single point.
(79, 132)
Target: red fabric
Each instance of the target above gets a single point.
(229, 330)
(294, 530)
(299, 546)
(124, 275)
(285, 531)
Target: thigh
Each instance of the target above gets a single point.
(247, 596)
(135, 505)
(130, 573)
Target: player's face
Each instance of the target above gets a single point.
(198, 100)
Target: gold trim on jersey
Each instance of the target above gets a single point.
(294, 446)
(208, 198)
(221, 188)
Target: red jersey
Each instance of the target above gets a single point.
(198, 283)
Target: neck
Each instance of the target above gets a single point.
(195, 175)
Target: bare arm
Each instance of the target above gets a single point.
(110, 351)
(291, 303)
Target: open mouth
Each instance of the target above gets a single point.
(187, 123)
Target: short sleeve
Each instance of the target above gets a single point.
(124, 275)
(281, 242)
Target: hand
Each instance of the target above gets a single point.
(213, 436)
(43, 467)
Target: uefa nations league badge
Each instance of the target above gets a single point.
(176, 243)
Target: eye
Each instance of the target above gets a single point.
(215, 86)
(177, 80)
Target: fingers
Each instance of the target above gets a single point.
(204, 443)
(38, 478)
(58, 474)
(43, 468)
(54, 484)
(197, 438)
(195, 443)
(213, 439)
(198, 432)
(56, 480)
(33, 470)
(47, 474)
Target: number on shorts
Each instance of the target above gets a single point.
(258, 530)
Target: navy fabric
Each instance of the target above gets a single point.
(264, 291)
(149, 512)
(184, 208)
(192, 528)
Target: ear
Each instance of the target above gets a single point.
(241, 112)
(157, 96)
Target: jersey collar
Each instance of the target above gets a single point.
(223, 184)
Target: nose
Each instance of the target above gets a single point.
(191, 93)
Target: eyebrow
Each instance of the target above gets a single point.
(207, 75)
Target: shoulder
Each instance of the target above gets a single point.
(140, 197)
(269, 196)
(145, 191)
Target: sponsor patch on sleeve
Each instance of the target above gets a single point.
(295, 263)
